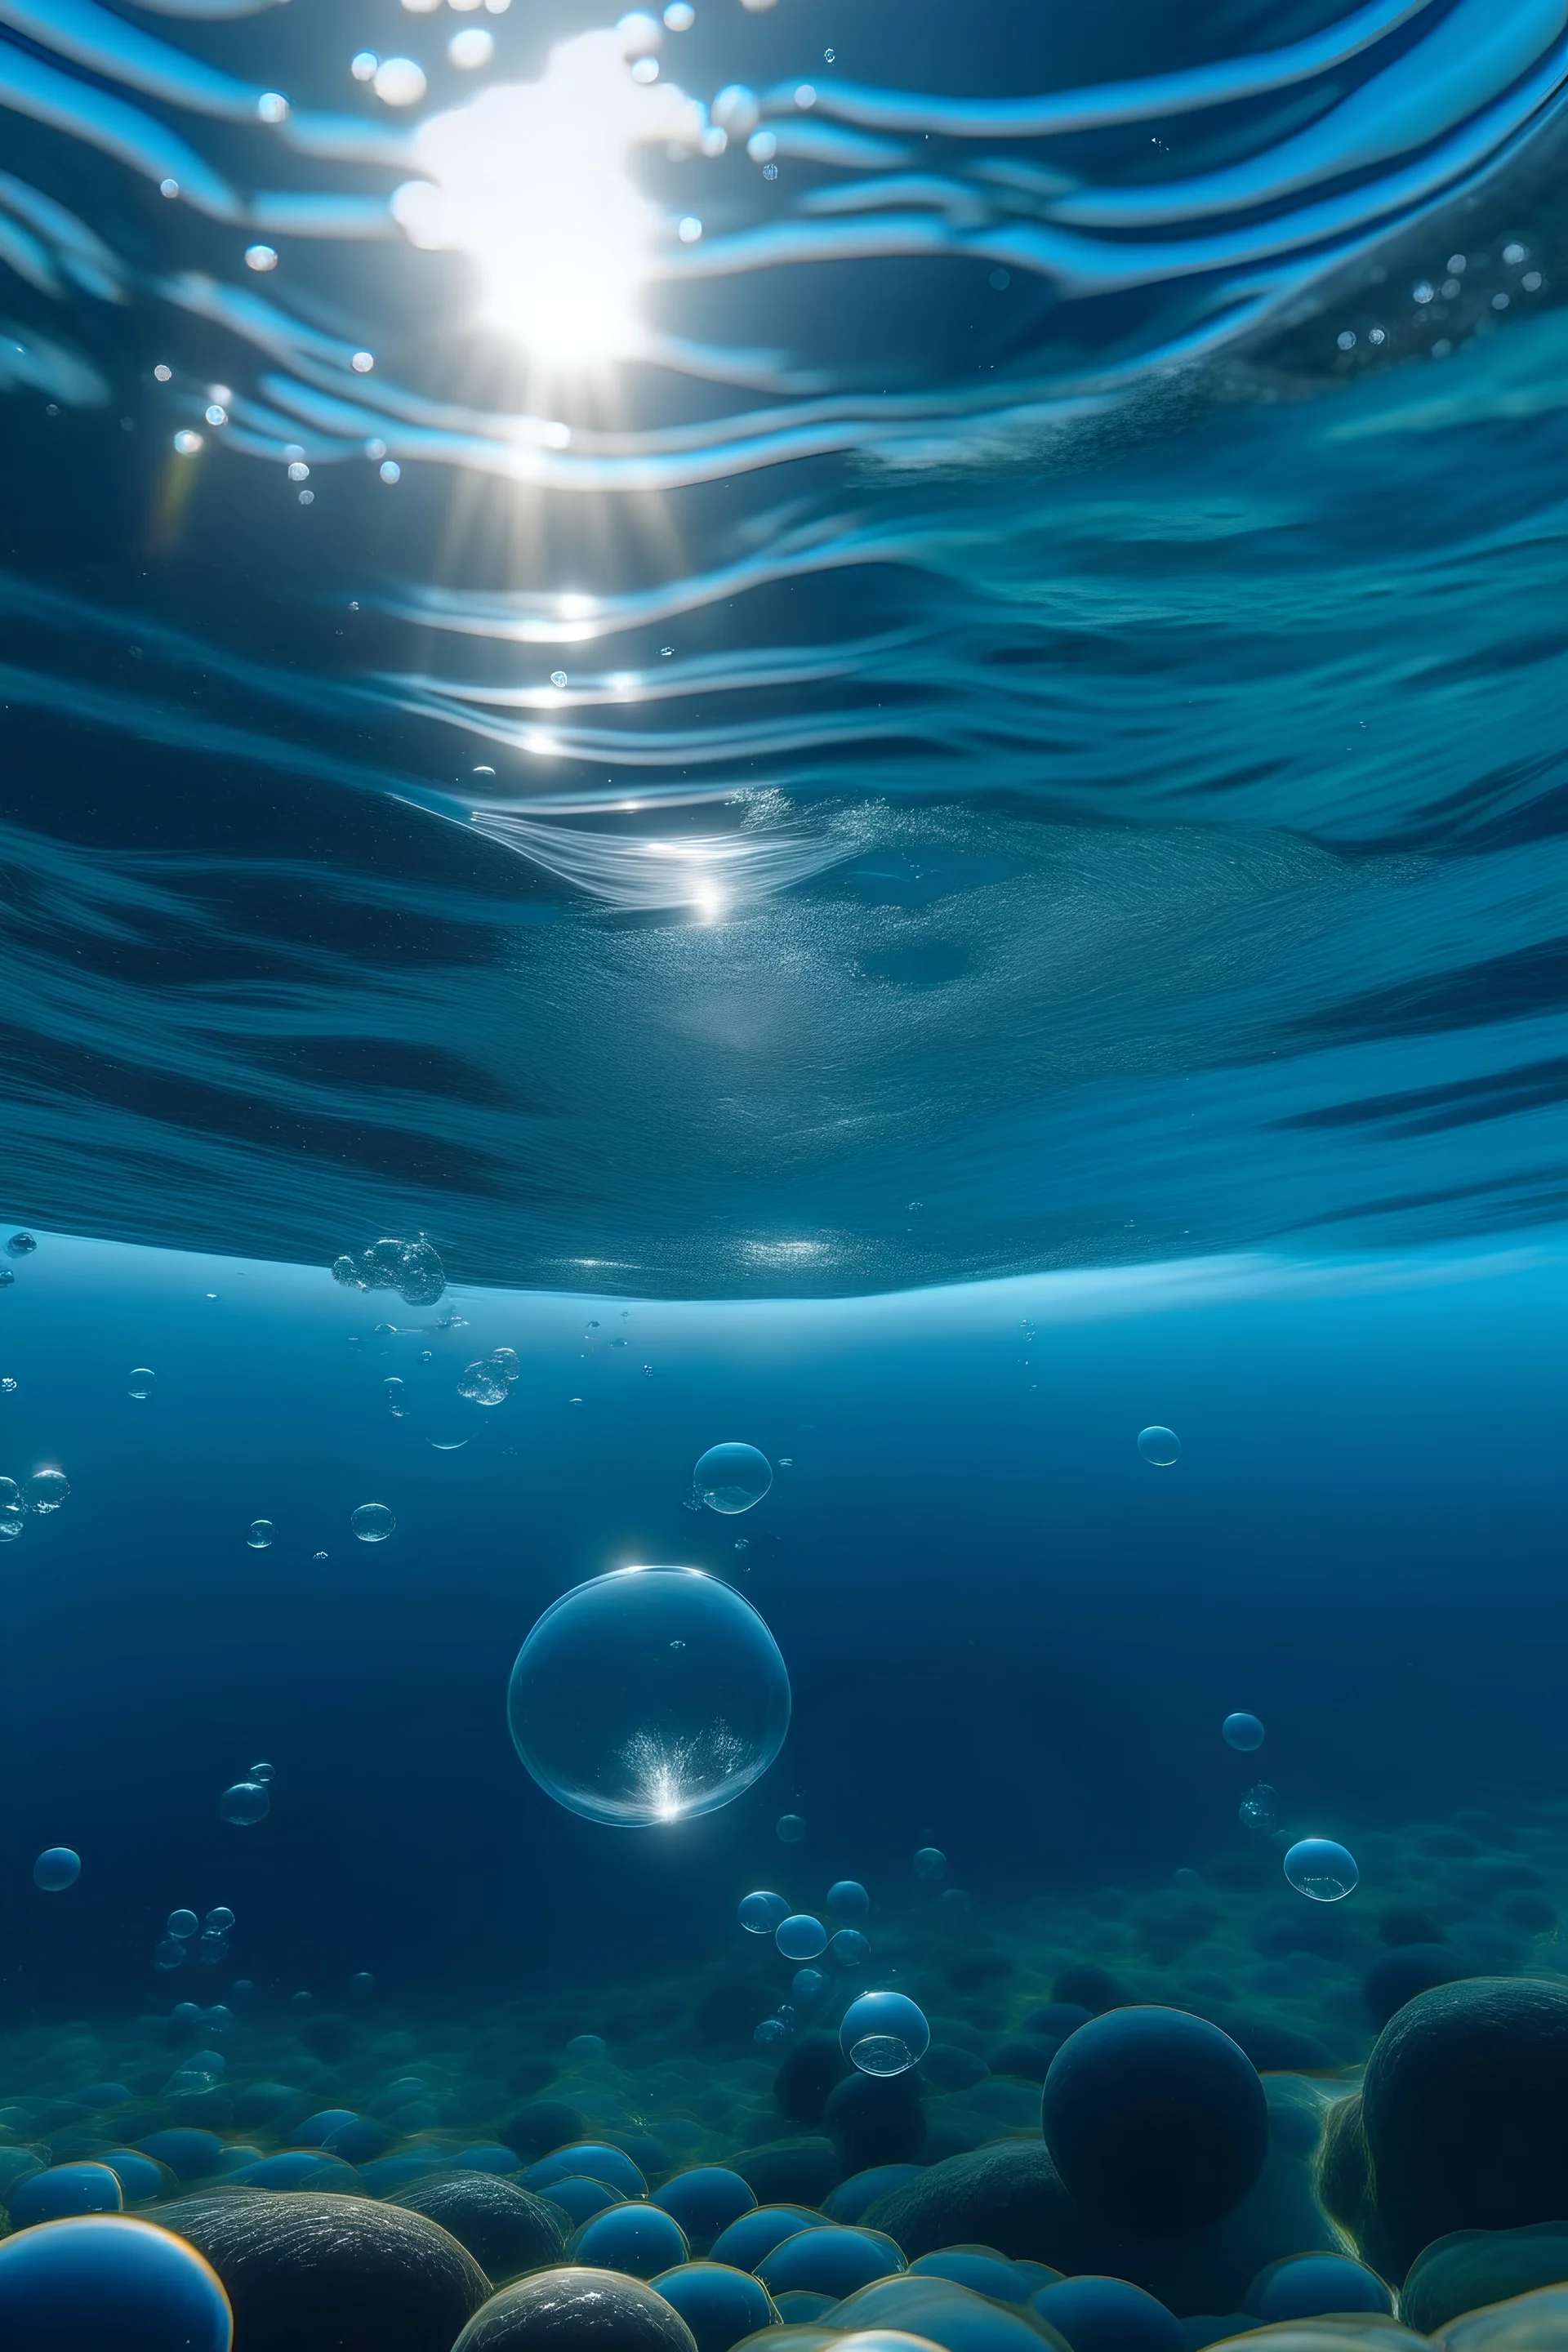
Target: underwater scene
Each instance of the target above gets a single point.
(784, 1176)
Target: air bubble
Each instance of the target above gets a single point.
(372, 1522)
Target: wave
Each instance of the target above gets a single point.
(1005, 722)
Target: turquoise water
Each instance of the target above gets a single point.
(780, 1391)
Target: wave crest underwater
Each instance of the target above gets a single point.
(929, 661)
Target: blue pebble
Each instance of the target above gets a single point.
(581, 2199)
(1109, 2315)
(138, 2176)
(719, 2304)
(637, 2239)
(746, 2241)
(189, 2154)
(388, 2174)
(362, 2141)
(489, 2159)
(830, 2260)
(297, 2167)
(591, 2158)
(63, 2189)
(317, 2129)
(982, 2274)
(1311, 2287)
(103, 2279)
(851, 2197)
(705, 2200)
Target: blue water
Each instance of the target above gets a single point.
(864, 705)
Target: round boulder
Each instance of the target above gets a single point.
(1154, 2119)
(308, 2273)
(574, 2310)
(506, 2228)
(1462, 2109)
(1108, 2314)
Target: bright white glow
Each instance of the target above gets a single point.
(399, 81)
(364, 66)
(260, 256)
(421, 7)
(532, 179)
(737, 110)
(187, 443)
(679, 16)
(472, 48)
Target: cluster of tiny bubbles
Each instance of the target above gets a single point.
(244, 1804)
(1159, 1446)
(142, 1379)
(800, 1936)
(1259, 1809)
(412, 1268)
(884, 2033)
(731, 1478)
(258, 1534)
(789, 1828)
(1243, 1732)
(56, 1869)
(762, 1912)
(1322, 1871)
(648, 1695)
(930, 1863)
(373, 1522)
(848, 1899)
(20, 1245)
(489, 1381)
(849, 1949)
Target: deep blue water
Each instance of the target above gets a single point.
(866, 702)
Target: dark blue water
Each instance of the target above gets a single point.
(865, 704)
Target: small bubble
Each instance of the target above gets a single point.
(216, 415)
(1377, 335)
(828, 55)
(806, 97)
(364, 66)
(1531, 281)
(258, 1534)
(168, 187)
(763, 146)
(298, 471)
(163, 374)
(307, 498)
(484, 1384)
(1345, 339)
(262, 258)
(187, 443)
(362, 365)
(689, 230)
(399, 81)
(141, 1383)
(770, 171)
(20, 1245)
(264, 1774)
(1515, 254)
(8, 1386)
(1499, 301)
(789, 1829)
(1456, 262)
(471, 49)
(1449, 290)
(679, 16)
(557, 677)
(45, 1491)
(318, 1555)
(244, 1804)
(272, 106)
(646, 71)
(391, 470)
(1160, 1446)
(1424, 291)
(372, 1522)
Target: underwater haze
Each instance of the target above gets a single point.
(784, 1178)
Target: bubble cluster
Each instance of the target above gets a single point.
(1259, 1809)
(411, 1268)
